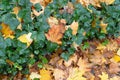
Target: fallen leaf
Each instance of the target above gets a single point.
(110, 45)
(72, 59)
(83, 64)
(103, 27)
(34, 75)
(45, 74)
(6, 31)
(76, 74)
(52, 21)
(104, 76)
(74, 27)
(114, 68)
(36, 13)
(59, 74)
(55, 33)
(116, 58)
(118, 52)
(101, 47)
(25, 38)
(115, 78)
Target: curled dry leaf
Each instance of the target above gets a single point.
(55, 33)
(6, 31)
(45, 74)
(25, 38)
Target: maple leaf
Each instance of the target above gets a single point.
(72, 59)
(45, 74)
(104, 76)
(55, 33)
(83, 64)
(34, 75)
(59, 74)
(6, 31)
(116, 58)
(25, 38)
(103, 27)
(76, 74)
(114, 68)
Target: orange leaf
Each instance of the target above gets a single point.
(55, 33)
(6, 31)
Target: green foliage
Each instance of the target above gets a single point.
(18, 53)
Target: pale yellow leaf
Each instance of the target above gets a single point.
(34, 75)
(118, 52)
(25, 38)
(103, 27)
(104, 76)
(74, 27)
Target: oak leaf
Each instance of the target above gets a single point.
(25, 38)
(45, 74)
(55, 33)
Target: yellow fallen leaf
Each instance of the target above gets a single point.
(116, 58)
(101, 47)
(45, 74)
(108, 1)
(16, 10)
(25, 38)
(34, 75)
(76, 74)
(6, 31)
(118, 52)
(103, 27)
(52, 21)
(74, 27)
(115, 78)
(104, 76)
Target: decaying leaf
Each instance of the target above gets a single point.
(6, 31)
(45, 74)
(34, 75)
(25, 38)
(103, 27)
(55, 33)
(76, 74)
(104, 76)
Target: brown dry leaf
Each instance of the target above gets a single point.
(74, 27)
(26, 38)
(83, 64)
(16, 10)
(103, 27)
(104, 76)
(69, 8)
(114, 68)
(45, 74)
(59, 74)
(72, 59)
(97, 58)
(76, 74)
(55, 33)
(6, 31)
(113, 46)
